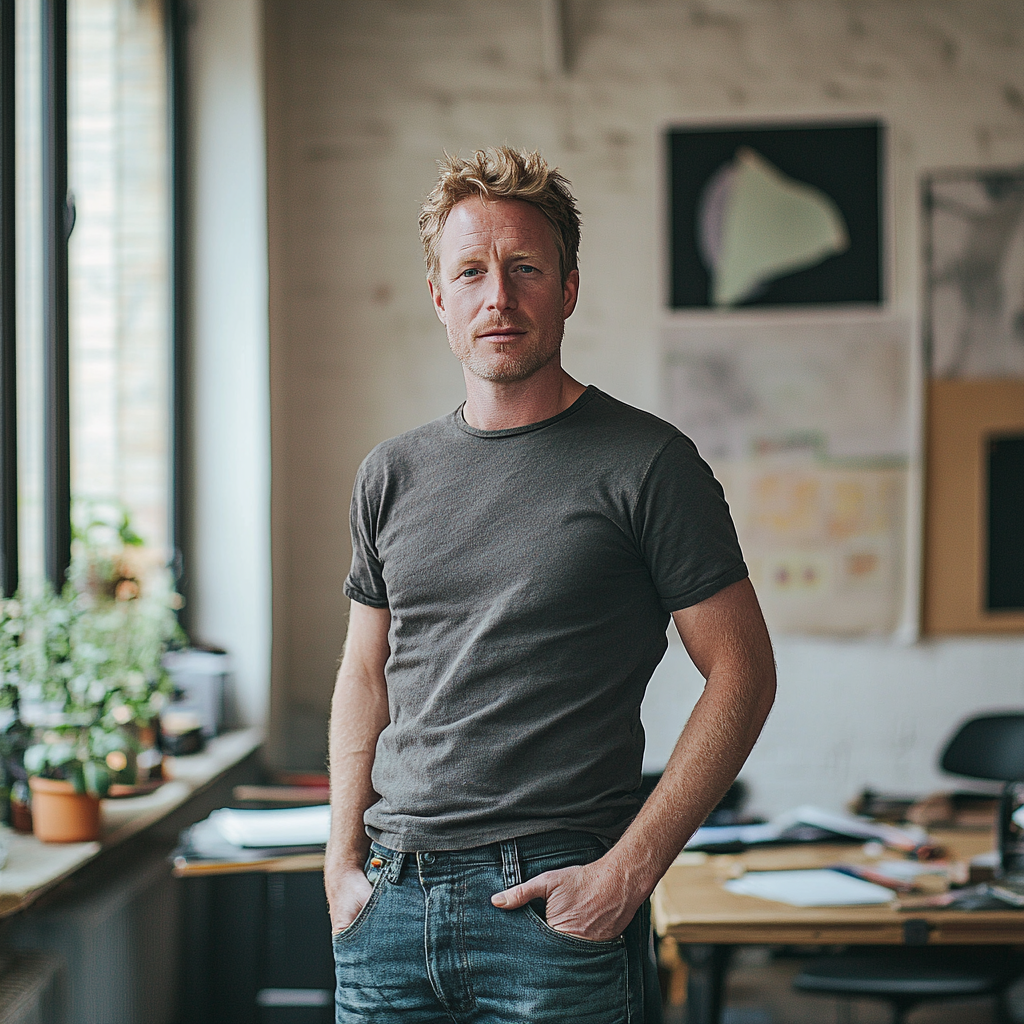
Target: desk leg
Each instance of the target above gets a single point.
(706, 985)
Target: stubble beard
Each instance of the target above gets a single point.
(511, 366)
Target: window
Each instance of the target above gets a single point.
(118, 437)
(118, 266)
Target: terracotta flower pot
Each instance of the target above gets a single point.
(60, 815)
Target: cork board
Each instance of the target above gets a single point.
(963, 417)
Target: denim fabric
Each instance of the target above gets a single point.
(429, 946)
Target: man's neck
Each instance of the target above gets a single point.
(493, 406)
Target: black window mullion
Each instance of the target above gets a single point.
(8, 323)
(57, 223)
(175, 31)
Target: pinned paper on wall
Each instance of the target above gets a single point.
(974, 223)
(806, 423)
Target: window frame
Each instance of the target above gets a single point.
(58, 222)
(8, 323)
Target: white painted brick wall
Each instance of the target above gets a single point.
(362, 97)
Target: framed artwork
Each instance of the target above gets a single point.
(974, 531)
(775, 215)
(974, 253)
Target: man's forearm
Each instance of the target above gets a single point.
(720, 733)
(358, 715)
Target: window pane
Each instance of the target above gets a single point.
(118, 260)
(29, 268)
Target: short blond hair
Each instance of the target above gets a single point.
(501, 173)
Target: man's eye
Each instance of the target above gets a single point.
(525, 268)
(470, 272)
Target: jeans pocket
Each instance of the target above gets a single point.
(529, 867)
(573, 941)
(375, 869)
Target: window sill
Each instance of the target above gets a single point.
(34, 868)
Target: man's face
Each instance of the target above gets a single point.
(501, 295)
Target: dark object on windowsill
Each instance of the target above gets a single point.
(21, 807)
(181, 732)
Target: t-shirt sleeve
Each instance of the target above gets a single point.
(365, 581)
(684, 528)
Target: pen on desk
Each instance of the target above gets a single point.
(867, 875)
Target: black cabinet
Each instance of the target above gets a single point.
(256, 949)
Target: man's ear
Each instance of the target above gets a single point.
(438, 300)
(570, 293)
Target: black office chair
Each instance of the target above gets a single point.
(988, 747)
(992, 747)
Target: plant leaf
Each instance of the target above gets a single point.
(97, 778)
(35, 758)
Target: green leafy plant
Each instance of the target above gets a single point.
(84, 667)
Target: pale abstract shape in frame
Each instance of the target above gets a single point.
(758, 224)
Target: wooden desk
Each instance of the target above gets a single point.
(691, 906)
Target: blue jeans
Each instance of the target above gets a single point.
(429, 946)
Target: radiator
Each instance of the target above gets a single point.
(117, 947)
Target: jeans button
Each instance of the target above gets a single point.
(427, 858)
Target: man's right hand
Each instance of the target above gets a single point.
(347, 893)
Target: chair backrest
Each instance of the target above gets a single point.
(988, 747)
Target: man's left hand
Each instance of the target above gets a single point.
(588, 901)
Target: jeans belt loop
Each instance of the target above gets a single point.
(510, 863)
(394, 869)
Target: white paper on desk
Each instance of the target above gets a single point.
(286, 826)
(817, 888)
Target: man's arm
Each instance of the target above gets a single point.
(728, 642)
(359, 713)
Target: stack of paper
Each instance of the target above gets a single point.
(288, 826)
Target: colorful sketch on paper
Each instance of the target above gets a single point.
(806, 424)
(975, 273)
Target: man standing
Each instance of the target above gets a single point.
(514, 570)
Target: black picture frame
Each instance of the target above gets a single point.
(842, 159)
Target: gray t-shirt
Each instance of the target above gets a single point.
(530, 574)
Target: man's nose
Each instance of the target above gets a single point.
(502, 294)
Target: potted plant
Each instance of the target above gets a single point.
(86, 668)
